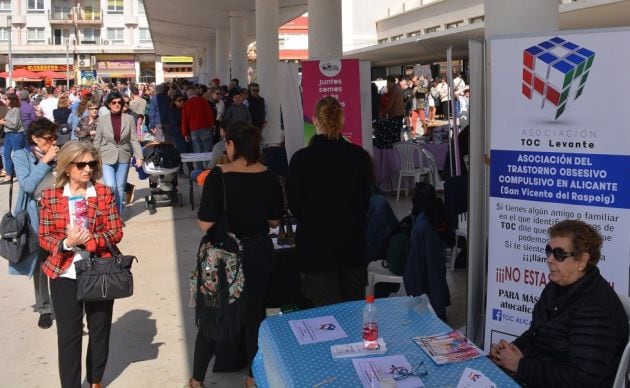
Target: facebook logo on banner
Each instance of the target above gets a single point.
(496, 314)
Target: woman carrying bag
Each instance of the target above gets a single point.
(78, 169)
(249, 220)
(34, 170)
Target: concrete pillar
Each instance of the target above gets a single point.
(159, 70)
(209, 60)
(267, 66)
(136, 66)
(324, 29)
(238, 46)
(518, 17)
(222, 56)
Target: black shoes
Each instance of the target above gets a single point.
(45, 321)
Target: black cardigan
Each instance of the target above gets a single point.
(577, 336)
(328, 191)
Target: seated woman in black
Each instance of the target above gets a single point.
(254, 203)
(579, 327)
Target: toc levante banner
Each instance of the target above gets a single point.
(338, 78)
(559, 150)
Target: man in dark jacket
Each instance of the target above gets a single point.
(257, 107)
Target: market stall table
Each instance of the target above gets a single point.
(282, 362)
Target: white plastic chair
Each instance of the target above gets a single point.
(461, 231)
(622, 377)
(434, 174)
(407, 153)
(379, 274)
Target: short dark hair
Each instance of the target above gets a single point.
(50, 90)
(40, 128)
(135, 90)
(254, 85)
(584, 237)
(113, 96)
(391, 78)
(235, 80)
(246, 141)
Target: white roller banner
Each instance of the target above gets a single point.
(560, 141)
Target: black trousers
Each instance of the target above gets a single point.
(336, 286)
(257, 264)
(69, 317)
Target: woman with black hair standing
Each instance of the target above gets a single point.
(34, 170)
(249, 219)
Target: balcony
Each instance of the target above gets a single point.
(75, 15)
(88, 15)
(61, 15)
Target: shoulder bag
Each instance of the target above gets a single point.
(104, 278)
(17, 240)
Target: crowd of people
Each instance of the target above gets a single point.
(579, 327)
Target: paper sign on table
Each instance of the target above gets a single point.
(357, 350)
(472, 378)
(377, 371)
(320, 329)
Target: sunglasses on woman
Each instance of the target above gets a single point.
(81, 165)
(558, 253)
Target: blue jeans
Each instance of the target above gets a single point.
(115, 176)
(12, 142)
(201, 140)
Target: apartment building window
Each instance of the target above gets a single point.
(90, 35)
(397, 37)
(141, 10)
(145, 35)
(35, 35)
(384, 40)
(5, 6)
(414, 34)
(35, 5)
(116, 35)
(60, 36)
(478, 19)
(456, 24)
(431, 29)
(4, 34)
(115, 6)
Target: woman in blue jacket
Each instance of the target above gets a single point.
(34, 170)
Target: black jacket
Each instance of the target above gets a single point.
(577, 336)
(328, 191)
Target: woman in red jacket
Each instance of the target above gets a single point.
(78, 168)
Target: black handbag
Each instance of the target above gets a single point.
(106, 278)
(17, 240)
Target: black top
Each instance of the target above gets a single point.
(576, 337)
(61, 115)
(252, 199)
(328, 190)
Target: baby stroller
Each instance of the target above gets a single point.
(161, 163)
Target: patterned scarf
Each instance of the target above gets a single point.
(39, 154)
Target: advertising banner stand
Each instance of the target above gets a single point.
(558, 152)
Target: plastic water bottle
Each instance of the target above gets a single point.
(370, 325)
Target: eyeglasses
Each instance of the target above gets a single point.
(50, 137)
(558, 253)
(401, 373)
(116, 102)
(179, 100)
(81, 165)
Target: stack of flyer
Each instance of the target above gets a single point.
(448, 347)
(357, 350)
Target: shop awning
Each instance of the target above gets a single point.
(116, 74)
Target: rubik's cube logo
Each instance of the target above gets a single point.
(555, 72)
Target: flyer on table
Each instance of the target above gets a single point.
(560, 150)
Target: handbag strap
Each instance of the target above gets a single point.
(11, 192)
(225, 207)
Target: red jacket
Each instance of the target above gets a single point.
(104, 223)
(196, 114)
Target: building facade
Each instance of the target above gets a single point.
(96, 40)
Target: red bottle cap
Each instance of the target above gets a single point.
(369, 298)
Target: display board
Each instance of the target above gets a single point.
(338, 78)
(559, 150)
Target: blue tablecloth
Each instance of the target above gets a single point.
(282, 362)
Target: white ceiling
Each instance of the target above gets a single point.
(183, 27)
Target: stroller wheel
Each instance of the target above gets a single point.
(150, 204)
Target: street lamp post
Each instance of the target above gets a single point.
(10, 22)
(67, 63)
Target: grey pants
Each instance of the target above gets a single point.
(40, 283)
